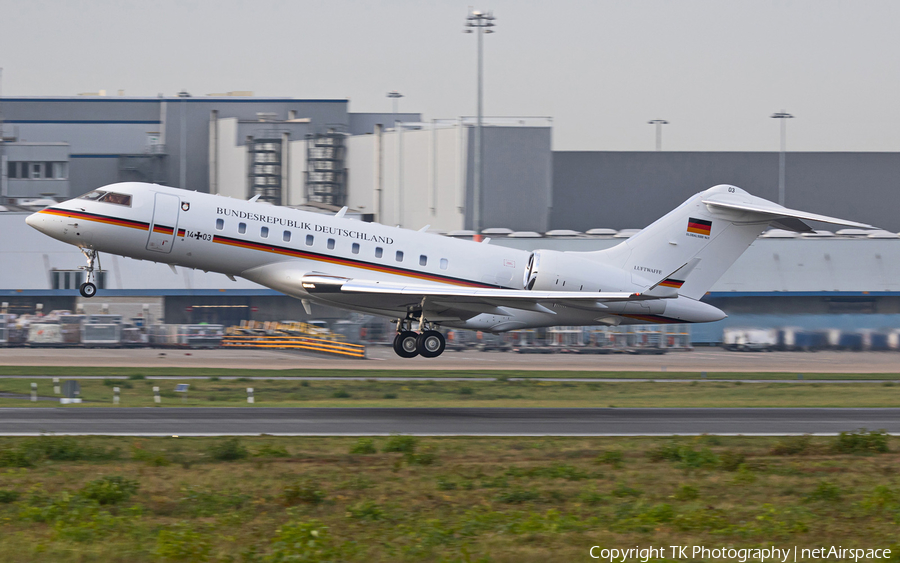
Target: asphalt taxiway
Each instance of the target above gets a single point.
(440, 422)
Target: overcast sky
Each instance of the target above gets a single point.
(715, 69)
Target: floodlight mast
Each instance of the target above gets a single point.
(659, 123)
(394, 96)
(782, 115)
(480, 23)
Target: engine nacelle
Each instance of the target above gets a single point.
(551, 270)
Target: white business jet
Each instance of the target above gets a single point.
(425, 280)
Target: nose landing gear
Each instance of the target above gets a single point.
(427, 343)
(88, 288)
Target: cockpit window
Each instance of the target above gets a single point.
(118, 199)
(108, 197)
(94, 195)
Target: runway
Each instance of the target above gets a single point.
(383, 358)
(440, 422)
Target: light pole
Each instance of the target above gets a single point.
(394, 96)
(480, 23)
(659, 123)
(782, 115)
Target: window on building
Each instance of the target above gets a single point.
(12, 169)
(242, 228)
(399, 256)
(60, 170)
(423, 260)
(444, 263)
(379, 252)
(287, 236)
(220, 224)
(355, 248)
(37, 170)
(264, 232)
(310, 240)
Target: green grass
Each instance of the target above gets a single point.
(107, 371)
(501, 500)
(443, 393)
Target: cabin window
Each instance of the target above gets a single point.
(444, 263)
(287, 236)
(423, 260)
(242, 228)
(399, 256)
(355, 248)
(310, 240)
(264, 232)
(331, 244)
(220, 224)
(379, 252)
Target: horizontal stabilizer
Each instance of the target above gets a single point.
(752, 204)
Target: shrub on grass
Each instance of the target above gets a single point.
(228, 450)
(664, 452)
(825, 491)
(7, 496)
(364, 446)
(305, 492)
(466, 391)
(592, 497)
(198, 502)
(518, 496)
(153, 459)
(701, 519)
(862, 441)
(365, 510)
(67, 448)
(268, 450)
(614, 458)
(686, 492)
(881, 498)
(390, 395)
(181, 543)
(400, 444)
(14, 457)
(731, 460)
(341, 394)
(301, 541)
(442, 485)
(136, 376)
(110, 490)
(791, 445)
(214, 378)
(623, 490)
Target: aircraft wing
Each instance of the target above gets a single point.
(451, 301)
(790, 218)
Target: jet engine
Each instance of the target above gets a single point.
(551, 270)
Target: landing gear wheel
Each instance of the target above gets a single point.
(430, 344)
(405, 344)
(88, 289)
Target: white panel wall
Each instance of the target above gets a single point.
(296, 184)
(232, 161)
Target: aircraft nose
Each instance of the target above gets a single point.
(36, 221)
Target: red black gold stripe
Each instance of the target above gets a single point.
(669, 282)
(163, 229)
(97, 218)
(181, 232)
(345, 262)
(699, 226)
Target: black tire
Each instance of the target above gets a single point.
(405, 344)
(88, 290)
(430, 344)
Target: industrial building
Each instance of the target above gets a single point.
(398, 170)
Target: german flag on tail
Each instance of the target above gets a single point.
(699, 226)
(672, 282)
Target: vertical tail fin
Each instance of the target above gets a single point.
(699, 240)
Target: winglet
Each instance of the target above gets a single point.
(254, 198)
(341, 213)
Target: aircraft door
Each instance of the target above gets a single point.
(164, 224)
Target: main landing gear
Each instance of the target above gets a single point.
(426, 343)
(88, 288)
